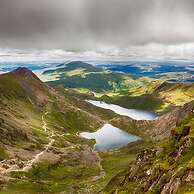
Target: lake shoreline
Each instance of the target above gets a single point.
(132, 113)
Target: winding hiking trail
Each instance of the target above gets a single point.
(102, 172)
(44, 122)
(36, 158)
(28, 165)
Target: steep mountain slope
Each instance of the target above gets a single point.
(22, 89)
(167, 167)
(19, 104)
(38, 127)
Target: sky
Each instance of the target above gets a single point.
(98, 28)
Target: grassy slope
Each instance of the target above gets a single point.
(20, 119)
(141, 94)
(174, 159)
(158, 96)
(25, 106)
(177, 94)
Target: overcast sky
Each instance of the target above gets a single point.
(114, 27)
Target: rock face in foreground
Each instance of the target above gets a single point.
(165, 168)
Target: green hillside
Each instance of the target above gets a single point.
(83, 76)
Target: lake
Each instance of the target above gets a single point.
(109, 137)
(132, 113)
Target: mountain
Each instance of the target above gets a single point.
(167, 167)
(70, 67)
(86, 77)
(20, 102)
(38, 130)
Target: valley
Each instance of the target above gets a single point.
(53, 137)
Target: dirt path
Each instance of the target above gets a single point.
(28, 165)
(102, 172)
(37, 157)
(44, 122)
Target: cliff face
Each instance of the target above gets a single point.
(163, 126)
(167, 167)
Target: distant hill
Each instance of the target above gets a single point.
(157, 96)
(84, 76)
(72, 66)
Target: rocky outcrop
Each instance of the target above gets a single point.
(144, 158)
(164, 125)
(168, 166)
(172, 186)
(154, 178)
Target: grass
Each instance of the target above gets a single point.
(47, 177)
(3, 153)
(178, 94)
(97, 80)
(72, 138)
(116, 163)
(79, 71)
(70, 172)
(73, 121)
(187, 189)
(178, 97)
(145, 102)
(148, 87)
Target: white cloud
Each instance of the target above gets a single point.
(155, 51)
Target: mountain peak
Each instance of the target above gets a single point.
(24, 72)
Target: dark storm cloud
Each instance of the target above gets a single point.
(91, 24)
